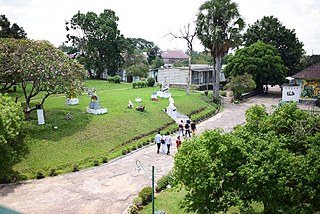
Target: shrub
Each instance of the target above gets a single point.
(105, 160)
(53, 172)
(163, 182)
(96, 163)
(146, 195)
(124, 151)
(137, 201)
(223, 93)
(116, 79)
(134, 147)
(75, 168)
(110, 79)
(151, 81)
(140, 145)
(40, 175)
(134, 209)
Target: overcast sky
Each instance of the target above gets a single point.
(153, 19)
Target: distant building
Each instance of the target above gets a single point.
(173, 56)
(309, 81)
(201, 76)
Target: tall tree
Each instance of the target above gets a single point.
(271, 31)
(272, 159)
(10, 31)
(146, 46)
(218, 28)
(261, 60)
(188, 36)
(37, 66)
(98, 39)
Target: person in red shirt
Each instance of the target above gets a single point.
(178, 142)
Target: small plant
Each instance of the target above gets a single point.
(146, 195)
(124, 151)
(151, 81)
(75, 168)
(134, 147)
(134, 209)
(137, 201)
(116, 79)
(105, 160)
(40, 175)
(140, 145)
(53, 172)
(110, 79)
(96, 163)
(163, 183)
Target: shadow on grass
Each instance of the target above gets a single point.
(58, 124)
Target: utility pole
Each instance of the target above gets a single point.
(152, 189)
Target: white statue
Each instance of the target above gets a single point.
(130, 105)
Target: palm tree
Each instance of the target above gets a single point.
(218, 28)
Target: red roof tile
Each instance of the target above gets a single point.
(312, 72)
(175, 54)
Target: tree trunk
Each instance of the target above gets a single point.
(189, 76)
(216, 81)
(27, 115)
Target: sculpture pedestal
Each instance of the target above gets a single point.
(72, 101)
(163, 94)
(96, 111)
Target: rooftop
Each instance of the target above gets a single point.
(312, 72)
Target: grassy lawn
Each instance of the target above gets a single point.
(170, 200)
(88, 138)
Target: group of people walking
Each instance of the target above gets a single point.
(184, 128)
(164, 142)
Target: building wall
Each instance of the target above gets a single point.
(173, 75)
(310, 88)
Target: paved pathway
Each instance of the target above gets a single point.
(110, 188)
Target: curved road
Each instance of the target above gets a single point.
(110, 188)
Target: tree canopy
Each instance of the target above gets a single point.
(99, 41)
(272, 159)
(271, 31)
(37, 66)
(12, 147)
(260, 60)
(146, 46)
(11, 31)
(218, 27)
(241, 84)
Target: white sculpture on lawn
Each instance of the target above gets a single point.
(164, 91)
(171, 109)
(94, 107)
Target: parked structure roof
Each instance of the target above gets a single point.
(174, 54)
(312, 72)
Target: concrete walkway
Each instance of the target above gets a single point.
(110, 188)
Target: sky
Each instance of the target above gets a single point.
(153, 20)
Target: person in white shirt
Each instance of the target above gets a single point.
(168, 142)
(157, 140)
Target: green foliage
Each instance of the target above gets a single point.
(269, 159)
(42, 70)
(260, 60)
(12, 147)
(10, 31)
(241, 84)
(157, 63)
(146, 46)
(40, 175)
(110, 79)
(53, 172)
(146, 195)
(140, 84)
(101, 42)
(163, 182)
(140, 70)
(271, 31)
(105, 160)
(117, 79)
(151, 81)
(218, 28)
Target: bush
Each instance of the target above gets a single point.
(96, 163)
(105, 160)
(223, 93)
(116, 79)
(40, 175)
(146, 195)
(110, 79)
(140, 84)
(137, 201)
(134, 147)
(140, 145)
(75, 168)
(124, 151)
(134, 209)
(53, 172)
(163, 182)
(151, 81)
